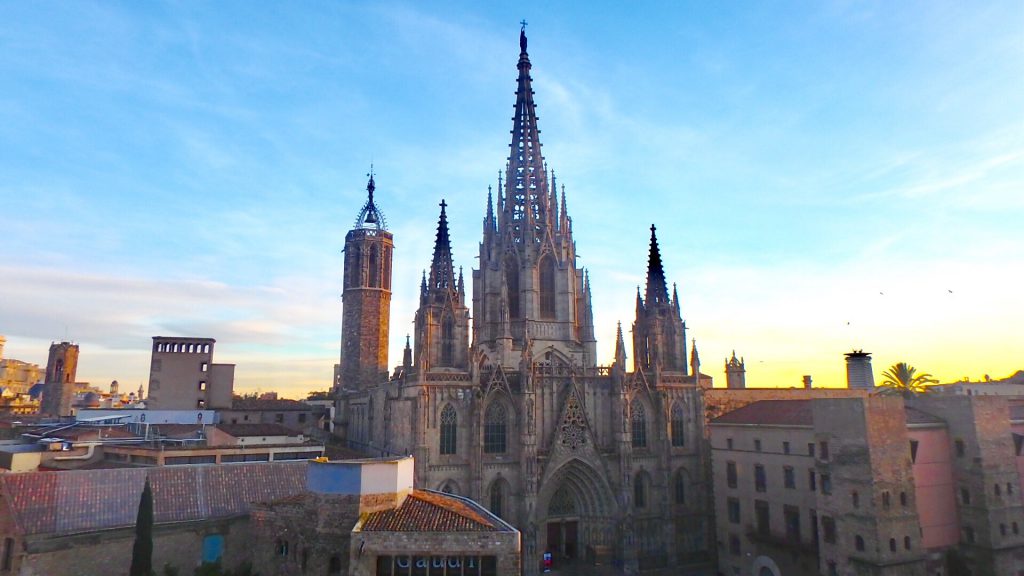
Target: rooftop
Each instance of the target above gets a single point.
(87, 500)
(268, 404)
(267, 429)
(430, 511)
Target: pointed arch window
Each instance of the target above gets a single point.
(374, 267)
(640, 490)
(447, 341)
(495, 429)
(512, 285)
(449, 429)
(498, 498)
(356, 265)
(678, 422)
(638, 417)
(680, 487)
(547, 288)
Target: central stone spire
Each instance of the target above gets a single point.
(526, 196)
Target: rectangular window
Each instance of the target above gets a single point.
(826, 484)
(785, 447)
(960, 449)
(789, 477)
(823, 446)
(913, 451)
(733, 504)
(760, 479)
(202, 385)
(810, 449)
(757, 444)
(812, 480)
(828, 529)
(728, 443)
(814, 526)
(792, 516)
(204, 366)
(302, 418)
(763, 515)
(1018, 443)
(730, 474)
(965, 496)
(279, 418)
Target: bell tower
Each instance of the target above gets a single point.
(366, 298)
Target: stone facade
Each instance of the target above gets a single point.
(366, 297)
(583, 459)
(869, 485)
(183, 376)
(61, 368)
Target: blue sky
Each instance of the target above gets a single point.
(824, 176)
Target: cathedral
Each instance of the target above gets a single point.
(501, 398)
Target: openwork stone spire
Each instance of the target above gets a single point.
(442, 271)
(657, 289)
(526, 194)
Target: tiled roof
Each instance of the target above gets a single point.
(770, 413)
(427, 511)
(279, 405)
(915, 416)
(87, 500)
(176, 430)
(268, 429)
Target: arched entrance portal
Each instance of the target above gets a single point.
(578, 510)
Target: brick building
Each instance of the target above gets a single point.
(83, 522)
(363, 517)
(869, 485)
(183, 376)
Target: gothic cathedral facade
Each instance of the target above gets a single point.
(501, 398)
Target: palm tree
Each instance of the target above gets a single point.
(902, 379)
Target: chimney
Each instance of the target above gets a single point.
(807, 381)
(858, 370)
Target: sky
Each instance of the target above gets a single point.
(824, 176)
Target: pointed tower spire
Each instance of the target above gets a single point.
(370, 216)
(407, 356)
(657, 291)
(442, 273)
(462, 283)
(620, 346)
(526, 186)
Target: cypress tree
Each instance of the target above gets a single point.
(142, 551)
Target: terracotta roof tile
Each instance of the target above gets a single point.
(770, 413)
(86, 500)
(915, 416)
(427, 511)
(280, 404)
(267, 429)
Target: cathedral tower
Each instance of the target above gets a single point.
(59, 389)
(659, 335)
(442, 320)
(528, 289)
(366, 299)
(735, 372)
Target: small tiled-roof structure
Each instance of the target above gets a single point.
(770, 413)
(267, 429)
(430, 511)
(915, 416)
(79, 501)
(271, 404)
